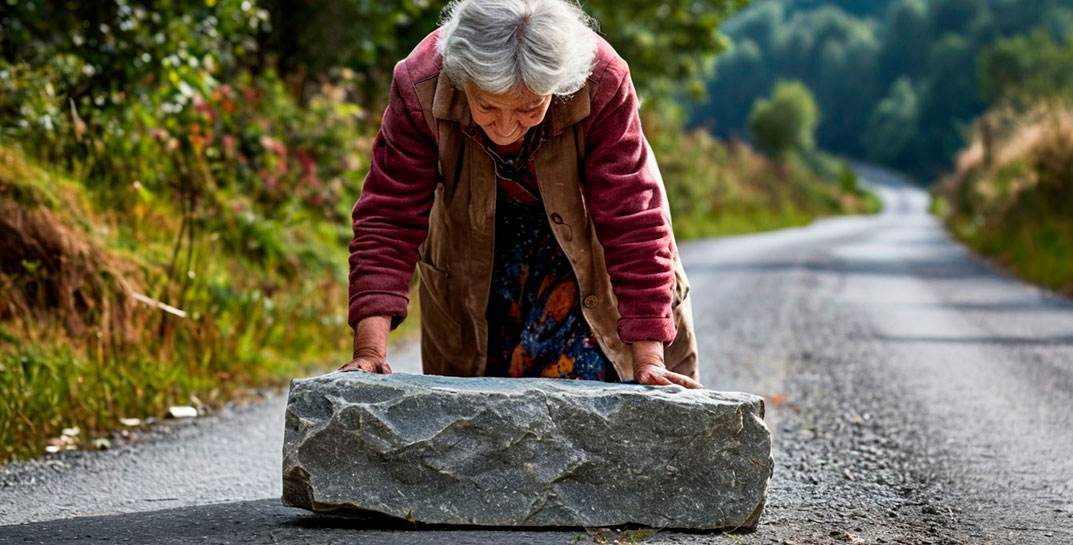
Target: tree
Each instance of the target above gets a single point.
(830, 51)
(951, 100)
(668, 44)
(786, 122)
(894, 123)
(1027, 68)
(852, 53)
(855, 7)
(905, 38)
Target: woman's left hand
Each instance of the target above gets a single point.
(648, 367)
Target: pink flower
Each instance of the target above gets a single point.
(270, 180)
(204, 108)
(309, 168)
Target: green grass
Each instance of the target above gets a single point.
(47, 387)
(718, 188)
(250, 321)
(737, 222)
(1018, 211)
(1034, 241)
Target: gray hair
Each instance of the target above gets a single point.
(547, 45)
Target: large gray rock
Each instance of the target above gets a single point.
(525, 452)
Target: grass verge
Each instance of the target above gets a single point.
(1011, 196)
(106, 316)
(721, 188)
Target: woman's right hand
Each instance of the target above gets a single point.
(371, 364)
(370, 346)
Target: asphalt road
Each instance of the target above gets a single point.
(915, 394)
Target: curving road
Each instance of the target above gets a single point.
(916, 395)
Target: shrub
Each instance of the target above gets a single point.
(787, 121)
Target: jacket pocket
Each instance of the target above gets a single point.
(440, 325)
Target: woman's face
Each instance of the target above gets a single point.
(507, 116)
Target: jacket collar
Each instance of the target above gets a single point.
(450, 103)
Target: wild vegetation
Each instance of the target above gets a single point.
(177, 178)
(173, 215)
(900, 80)
(974, 93)
(719, 187)
(724, 187)
(1011, 196)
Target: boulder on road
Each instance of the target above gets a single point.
(525, 452)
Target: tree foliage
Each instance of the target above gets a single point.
(894, 122)
(787, 121)
(1025, 69)
(310, 36)
(931, 65)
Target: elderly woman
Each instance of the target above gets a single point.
(511, 169)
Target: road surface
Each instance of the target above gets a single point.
(916, 395)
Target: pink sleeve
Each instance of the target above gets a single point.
(390, 218)
(625, 200)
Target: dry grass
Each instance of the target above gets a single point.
(78, 349)
(55, 270)
(1017, 207)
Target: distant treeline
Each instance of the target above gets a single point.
(898, 82)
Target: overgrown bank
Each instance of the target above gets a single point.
(109, 314)
(1011, 197)
(719, 187)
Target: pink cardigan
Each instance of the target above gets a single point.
(621, 184)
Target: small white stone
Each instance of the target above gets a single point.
(182, 411)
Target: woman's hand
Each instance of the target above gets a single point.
(372, 363)
(370, 346)
(648, 367)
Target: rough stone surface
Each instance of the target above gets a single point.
(525, 452)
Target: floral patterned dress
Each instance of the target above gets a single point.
(535, 324)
